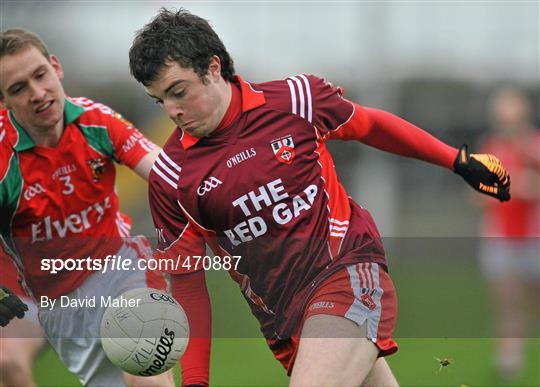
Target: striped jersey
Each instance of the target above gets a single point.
(60, 202)
(265, 189)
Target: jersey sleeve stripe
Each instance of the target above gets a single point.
(170, 162)
(301, 105)
(308, 94)
(164, 177)
(122, 231)
(301, 95)
(166, 168)
(293, 96)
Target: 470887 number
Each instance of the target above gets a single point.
(206, 262)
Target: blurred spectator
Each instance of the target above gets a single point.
(510, 252)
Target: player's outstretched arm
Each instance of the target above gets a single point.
(191, 292)
(385, 131)
(484, 172)
(10, 306)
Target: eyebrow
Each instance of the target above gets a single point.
(151, 96)
(18, 83)
(173, 85)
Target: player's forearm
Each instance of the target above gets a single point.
(143, 167)
(190, 291)
(395, 135)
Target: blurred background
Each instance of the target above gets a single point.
(436, 64)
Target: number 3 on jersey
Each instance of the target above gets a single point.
(68, 186)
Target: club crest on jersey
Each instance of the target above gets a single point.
(97, 166)
(284, 149)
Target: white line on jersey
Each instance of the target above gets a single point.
(164, 177)
(305, 108)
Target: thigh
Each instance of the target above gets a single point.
(333, 351)
(363, 293)
(22, 339)
(381, 375)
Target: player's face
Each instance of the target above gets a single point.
(195, 104)
(31, 88)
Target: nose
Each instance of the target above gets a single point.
(37, 92)
(172, 109)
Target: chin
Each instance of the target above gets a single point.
(197, 133)
(51, 123)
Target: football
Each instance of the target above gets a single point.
(144, 331)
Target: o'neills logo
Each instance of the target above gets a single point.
(241, 157)
(162, 351)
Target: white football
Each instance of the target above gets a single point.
(144, 331)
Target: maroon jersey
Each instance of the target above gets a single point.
(265, 188)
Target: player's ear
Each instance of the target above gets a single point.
(214, 68)
(57, 66)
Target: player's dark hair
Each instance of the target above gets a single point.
(17, 39)
(177, 37)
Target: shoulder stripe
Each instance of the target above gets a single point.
(301, 95)
(171, 163)
(308, 93)
(293, 96)
(303, 105)
(163, 176)
(166, 168)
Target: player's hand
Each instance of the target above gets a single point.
(10, 306)
(484, 172)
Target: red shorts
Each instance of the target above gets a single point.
(363, 293)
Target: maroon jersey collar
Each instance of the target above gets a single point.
(251, 99)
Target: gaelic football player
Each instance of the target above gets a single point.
(510, 249)
(248, 172)
(57, 201)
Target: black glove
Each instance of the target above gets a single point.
(10, 306)
(484, 172)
